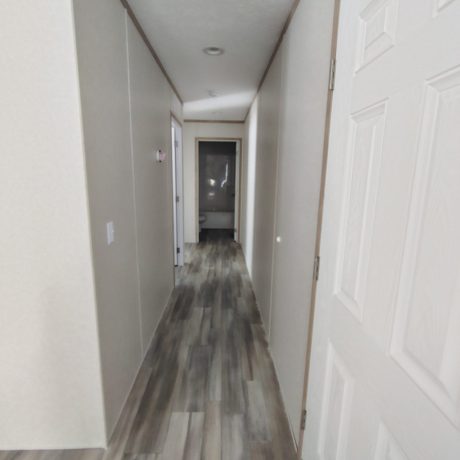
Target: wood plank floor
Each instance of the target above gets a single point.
(207, 389)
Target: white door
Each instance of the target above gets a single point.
(385, 371)
(178, 201)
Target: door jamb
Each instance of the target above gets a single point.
(238, 141)
(174, 119)
(327, 127)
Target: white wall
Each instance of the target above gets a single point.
(298, 79)
(192, 131)
(126, 105)
(50, 383)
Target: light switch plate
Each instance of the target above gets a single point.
(110, 233)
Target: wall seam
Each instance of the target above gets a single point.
(131, 140)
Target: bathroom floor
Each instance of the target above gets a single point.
(216, 234)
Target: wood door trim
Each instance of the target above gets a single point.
(197, 177)
(149, 45)
(327, 127)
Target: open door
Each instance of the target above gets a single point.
(218, 188)
(178, 201)
(385, 369)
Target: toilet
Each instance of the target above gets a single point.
(201, 220)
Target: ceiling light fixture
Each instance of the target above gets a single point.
(213, 51)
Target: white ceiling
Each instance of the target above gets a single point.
(248, 31)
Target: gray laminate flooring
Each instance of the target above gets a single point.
(207, 389)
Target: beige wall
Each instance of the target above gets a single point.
(50, 383)
(126, 116)
(190, 132)
(103, 66)
(298, 79)
(151, 130)
(265, 180)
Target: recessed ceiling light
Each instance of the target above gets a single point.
(213, 51)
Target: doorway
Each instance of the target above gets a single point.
(178, 202)
(218, 165)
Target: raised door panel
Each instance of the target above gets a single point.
(387, 447)
(336, 409)
(364, 159)
(377, 31)
(426, 339)
(441, 4)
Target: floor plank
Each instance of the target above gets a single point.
(194, 442)
(212, 432)
(174, 446)
(257, 419)
(234, 439)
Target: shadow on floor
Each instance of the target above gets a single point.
(216, 234)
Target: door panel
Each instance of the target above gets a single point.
(426, 338)
(385, 368)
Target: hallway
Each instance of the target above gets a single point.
(207, 388)
(230, 230)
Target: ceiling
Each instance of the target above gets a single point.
(248, 30)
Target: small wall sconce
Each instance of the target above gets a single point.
(160, 156)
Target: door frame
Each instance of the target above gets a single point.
(178, 193)
(239, 161)
(317, 259)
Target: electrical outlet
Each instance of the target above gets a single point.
(110, 233)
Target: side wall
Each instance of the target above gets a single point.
(248, 185)
(151, 130)
(289, 113)
(190, 132)
(126, 105)
(50, 383)
(266, 182)
(304, 91)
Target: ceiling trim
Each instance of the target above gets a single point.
(275, 50)
(149, 46)
(175, 117)
(214, 121)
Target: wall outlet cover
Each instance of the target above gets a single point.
(110, 233)
(160, 156)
